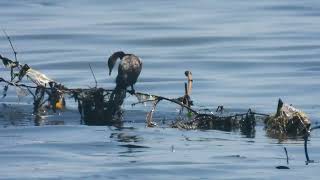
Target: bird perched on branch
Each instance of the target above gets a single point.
(128, 71)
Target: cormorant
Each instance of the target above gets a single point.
(128, 71)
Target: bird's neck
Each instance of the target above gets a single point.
(123, 55)
(120, 55)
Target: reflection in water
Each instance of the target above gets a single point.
(123, 137)
(132, 139)
(19, 115)
(40, 120)
(132, 149)
(205, 139)
(14, 115)
(132, 146)
(96, 121)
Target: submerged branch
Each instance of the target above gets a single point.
(305, 138)
(306, 149)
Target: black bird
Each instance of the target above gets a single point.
(128, 71)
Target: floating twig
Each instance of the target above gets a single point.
(305, 138)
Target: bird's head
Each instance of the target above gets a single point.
(113, 58)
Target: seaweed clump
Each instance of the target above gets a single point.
(98, 106)
(245, 122)
(220, 122)
(288, 121)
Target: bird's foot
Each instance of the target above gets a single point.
(132, 92)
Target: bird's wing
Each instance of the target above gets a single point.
(130, 63)
(124, 66)
(129, 70)
(136, 64)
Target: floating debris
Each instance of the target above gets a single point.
(142, 98)
(21, 92)
(288, 121)
(38, 77)
(99, 106)
(245, 122)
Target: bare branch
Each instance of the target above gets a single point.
(9, 39)
(285, 150)
(306, 149)
(94, 77)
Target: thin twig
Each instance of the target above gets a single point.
(95, 80)
(33, 95)
(141, 102)
(285, 150)
(306, 148)
(67, 90)
(261, 114)
(9, 39)
(316, 127)
(305, 138)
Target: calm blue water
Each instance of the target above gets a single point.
(243, 54)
